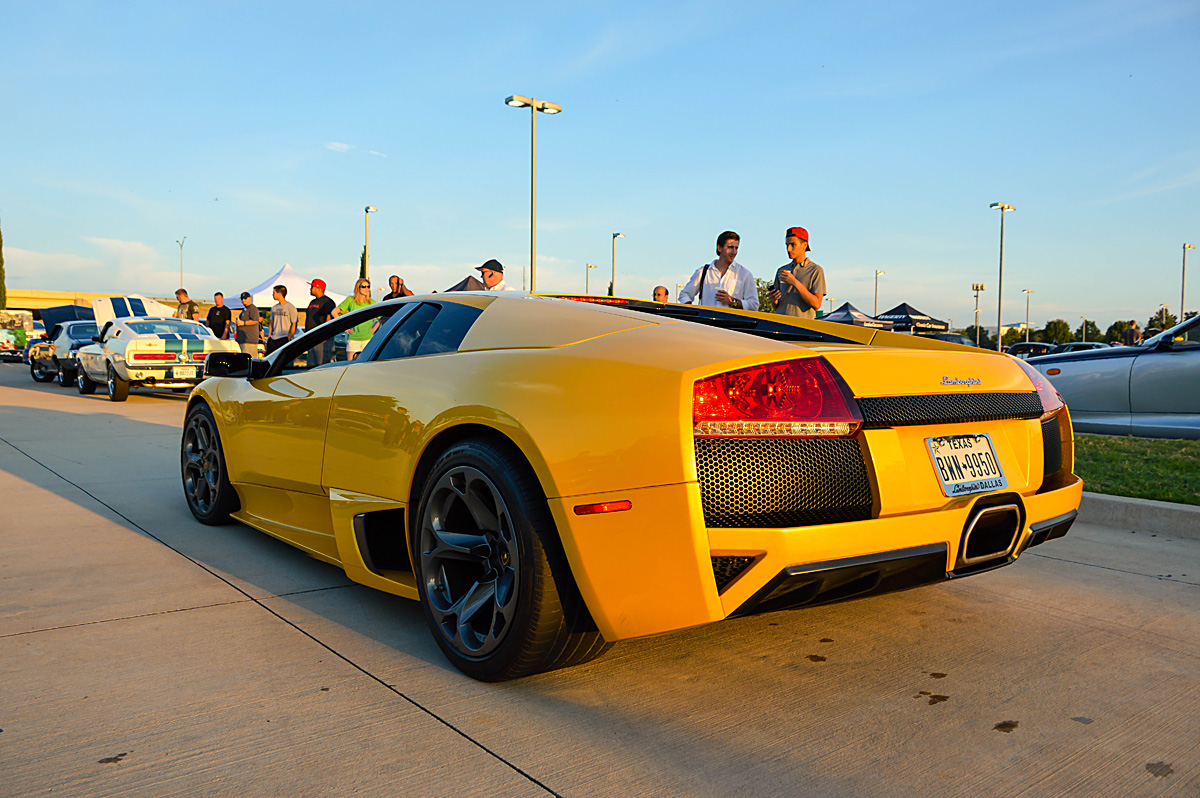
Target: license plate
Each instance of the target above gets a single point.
(966, 464)
(184, 372)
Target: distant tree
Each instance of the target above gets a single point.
(1011, 337)
(362, 264)
(1092, 333)
(3, 286)
(985, 341)
(1162, 320)
(764, 295)
(1057, 331)
(1186, 316)
(1115, 331)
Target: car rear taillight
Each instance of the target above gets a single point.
(199, 356)
(802, 398)
(151, 356)
(1052, 400)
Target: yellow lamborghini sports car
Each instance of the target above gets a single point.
(550, 475)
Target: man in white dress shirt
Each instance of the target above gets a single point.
(724, 283)
(492, 274)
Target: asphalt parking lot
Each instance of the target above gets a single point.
(142, 654)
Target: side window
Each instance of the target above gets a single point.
(104, 334)
(431, 329)
(331, 343)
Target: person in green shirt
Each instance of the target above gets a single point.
(360, 333)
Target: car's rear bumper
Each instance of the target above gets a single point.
(656, 567)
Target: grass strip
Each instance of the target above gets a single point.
(1141, 468)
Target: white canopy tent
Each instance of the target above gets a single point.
(297, 290)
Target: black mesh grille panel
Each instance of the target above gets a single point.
(726, 569)
(774, 482)
(1051, 446)
(901, 411)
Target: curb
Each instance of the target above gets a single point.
(1141, 515)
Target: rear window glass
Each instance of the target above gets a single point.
(167, 327)
(82, 332)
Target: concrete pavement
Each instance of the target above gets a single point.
(144, 654)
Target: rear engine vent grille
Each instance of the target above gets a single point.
(726, 569)
(900, 411)
(1051, 446)
(779, 482)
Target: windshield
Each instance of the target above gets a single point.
(169, 327)
(1184, 331)
(82, 332)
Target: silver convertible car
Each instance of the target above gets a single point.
(1151, 390)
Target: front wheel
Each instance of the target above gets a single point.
(495, 586)
(206, 486)
(38, 373)
(84, 383)
(118, 389)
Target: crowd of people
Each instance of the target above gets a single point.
(797, 290)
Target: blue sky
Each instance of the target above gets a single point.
(261, 130)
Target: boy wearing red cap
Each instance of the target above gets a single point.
(799, 287)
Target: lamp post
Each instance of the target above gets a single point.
(534, 106)
(877, 273)
(612, 287)
(180, 243)
(1003, 208)
(1083, 329)
(1026, 292)
(830, 300)
(977, 287)
(587, 273)
(370, 209)
(1183, 282)
(678, 290)
(1162, 312)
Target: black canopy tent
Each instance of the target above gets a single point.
(848, 314)
(906, 318)
(470, 283)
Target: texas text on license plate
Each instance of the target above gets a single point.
(966, 464)
(184, 372)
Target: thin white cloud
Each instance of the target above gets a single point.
(338, 146)
(373, 152)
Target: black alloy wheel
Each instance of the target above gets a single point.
(206, 486)
(118, 389)
(84, 383)
(495, 587)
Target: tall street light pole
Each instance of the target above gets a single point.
(612, 287)
(1083, 330)
(830, 300)
(180, 243)
(1183, 283)
(678, 290)
(534, 105)
(1026, 292)
(1003, 208)
(877, 273)
(370, 209)
(977, 287)
(587, 273)
(1162, 312)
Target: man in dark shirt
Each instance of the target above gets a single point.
(399, 289)
(249, 327)
(219, 316)
(319, 311)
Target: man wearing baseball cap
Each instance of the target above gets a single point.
(799, 287)
(492, 274)
(319, 311)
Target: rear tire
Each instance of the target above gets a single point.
(118, 389)
(65, 378)
(495, 586)
(84, 383)
(206, 486)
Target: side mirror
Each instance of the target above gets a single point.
(227, 364)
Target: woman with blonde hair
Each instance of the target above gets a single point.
(360, 333)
